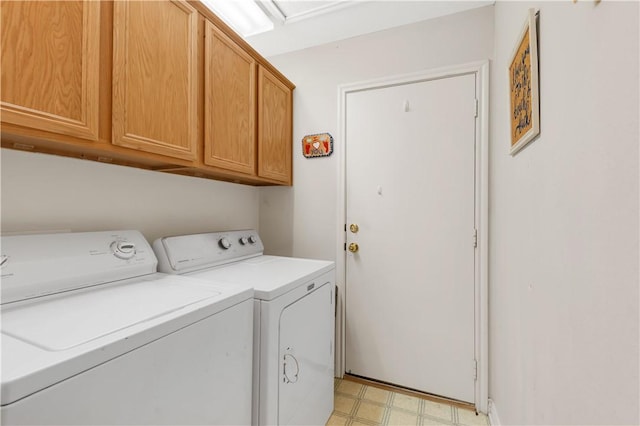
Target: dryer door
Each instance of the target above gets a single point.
(306, 360)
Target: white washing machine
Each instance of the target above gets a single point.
(91, 334)
(293, 319)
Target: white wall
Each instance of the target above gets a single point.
(45, 192)
(564, 222)
(564, 228)
(309, 225)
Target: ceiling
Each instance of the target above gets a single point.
(300, 24)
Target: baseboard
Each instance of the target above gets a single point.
(494, 419)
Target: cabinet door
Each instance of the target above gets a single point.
(50, 66)
(155, 77)
(274, 128)
(230, 104)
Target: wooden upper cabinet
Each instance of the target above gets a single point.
(50, 66)
(155, 77)
(229, 104)
(161, 84)
(274, 128)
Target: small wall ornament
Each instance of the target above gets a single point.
(319, 145)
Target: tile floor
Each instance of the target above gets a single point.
(360, 404)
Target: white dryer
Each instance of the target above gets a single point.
(91, 334)
(293, 319)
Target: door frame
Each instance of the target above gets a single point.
(481, 297)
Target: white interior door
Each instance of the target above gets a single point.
(410, 170)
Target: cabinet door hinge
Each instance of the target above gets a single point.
(476, 109)
(475, 238)
(475, 370)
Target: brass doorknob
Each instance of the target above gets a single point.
(353, 247)
(353, 228)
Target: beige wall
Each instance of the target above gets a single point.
(564, 222)
(44, 192)
(308, 223)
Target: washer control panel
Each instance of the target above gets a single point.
(186, 253)
(36, 265)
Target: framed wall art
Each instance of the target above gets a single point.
(320, 145)
(523, 86)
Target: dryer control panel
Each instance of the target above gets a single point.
(188, 253)
(38, 265)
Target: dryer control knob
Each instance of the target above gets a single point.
(123, 249)
(224, 243)
(253, 239)
(244, 241)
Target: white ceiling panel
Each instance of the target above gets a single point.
(312, 23)
(295, 9)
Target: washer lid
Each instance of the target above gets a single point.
(48, 340)
(66, 321)
(270, 276)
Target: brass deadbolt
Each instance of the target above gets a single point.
(353, 228)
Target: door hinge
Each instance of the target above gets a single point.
(475, 238)
(476, 109)
(475, 370)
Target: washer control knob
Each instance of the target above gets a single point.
(244, 241)
(224, 243)
(253, 239)
(123, 249)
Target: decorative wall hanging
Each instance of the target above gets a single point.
(523, 86)
(320, 145)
